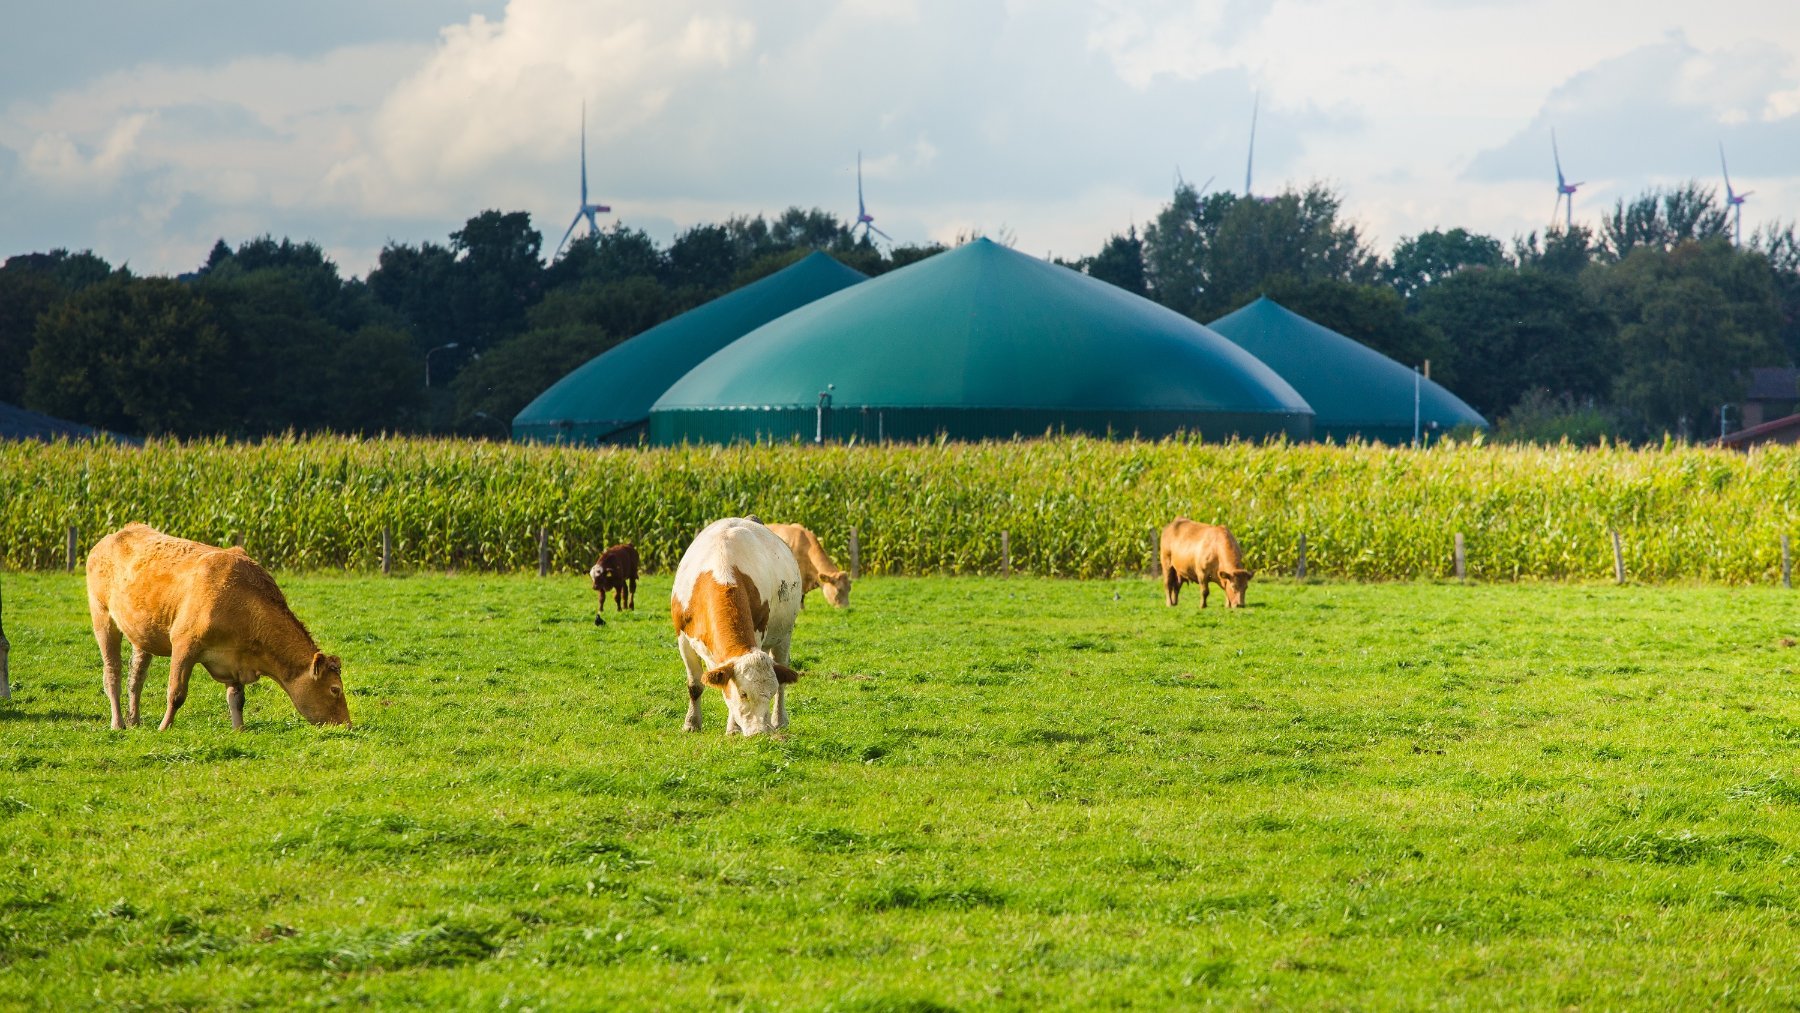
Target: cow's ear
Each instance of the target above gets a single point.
(717, 677)
(1248, 574)
(785, 674)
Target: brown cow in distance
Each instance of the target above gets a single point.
(617, 571)
(816, 568)
(198, 604)
(1203, 554)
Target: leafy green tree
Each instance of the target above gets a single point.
(1203, 256)
(373, 383)
(1564, 252)
(614, 254)
(1120, 262)
(510, 376)
(703, 258)
(1693, 319)
(414, 283)
(1432, 256)
(30, 285)
(135, 355)
(1511, 332)
(498, 276)
(1661, 219)
(625, 308)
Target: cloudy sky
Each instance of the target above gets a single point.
(146, 130)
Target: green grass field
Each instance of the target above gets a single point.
(994, 794)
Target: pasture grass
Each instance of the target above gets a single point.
(995, 793)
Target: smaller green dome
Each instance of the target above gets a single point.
(1353, 389)
(608, 398)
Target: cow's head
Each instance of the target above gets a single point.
(836, 589)
(749, 683)
(598, 573)
(318, 693)
(1235, 582)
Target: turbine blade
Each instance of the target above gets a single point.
(1250, 158)
(574, 222)
(880, 233)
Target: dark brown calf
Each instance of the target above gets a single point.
(617, 571)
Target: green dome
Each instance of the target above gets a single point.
(608, 397)
(1355, 390)
(976, 343)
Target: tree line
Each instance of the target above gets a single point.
(1641, 327)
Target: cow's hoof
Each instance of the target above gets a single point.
(691, 727)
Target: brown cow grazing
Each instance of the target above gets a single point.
(1203, 554)
(736, 594)
(199, 604)
(617, 571)
(816, 568)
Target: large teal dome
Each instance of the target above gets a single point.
(1355, 390)
(608, 398)
(976, 343)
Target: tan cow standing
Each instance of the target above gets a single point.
(1203, 554)
(816, 568)
(197, 604)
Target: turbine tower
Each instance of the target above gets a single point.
(1734, 201)
(1565, 190)
(863, 217)
(585, 210)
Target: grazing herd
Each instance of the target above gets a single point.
(738, 589)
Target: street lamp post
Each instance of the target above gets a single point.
(428, 356)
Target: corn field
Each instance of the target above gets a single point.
(1071, 507)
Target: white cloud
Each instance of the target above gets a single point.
(1061, 120)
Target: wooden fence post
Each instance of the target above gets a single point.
(1300, 566)
(1787, 572)
(1155, 553)
(237, 539)
(1459, 556)
(387, 548)
(1005, 554)
(855, 557)
(543, 551)
(72, 539)
(1618, 559)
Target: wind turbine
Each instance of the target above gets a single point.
(863, 217)
(1734, 201)
(586, 210)
(1565, 190)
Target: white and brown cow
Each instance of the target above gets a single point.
(736, 594)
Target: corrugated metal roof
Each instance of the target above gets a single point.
(1353, 389)
(982, 341)
(610, 395)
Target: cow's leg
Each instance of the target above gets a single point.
(181, 666)
(781, 649)
(234, 698)
(1171, 586)
(695, 669)
(1205, 589)
(140, 668)
(107, 634)
(631, 595)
